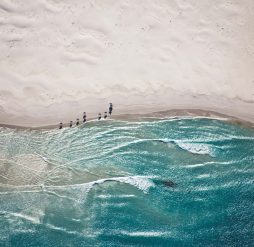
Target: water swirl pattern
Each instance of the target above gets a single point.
(164, 182)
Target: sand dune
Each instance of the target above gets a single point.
(60, 58)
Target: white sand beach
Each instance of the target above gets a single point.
(62, 57)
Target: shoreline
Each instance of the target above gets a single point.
(173, 113)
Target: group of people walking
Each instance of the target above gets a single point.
(110, 110)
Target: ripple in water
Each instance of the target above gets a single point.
(176, 182)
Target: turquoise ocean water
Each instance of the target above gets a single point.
(172, 182)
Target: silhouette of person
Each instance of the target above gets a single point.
(110, 108)
(84, 117)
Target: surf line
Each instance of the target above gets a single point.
(110, 111)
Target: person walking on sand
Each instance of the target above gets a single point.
(110, 108)
(105, 115)
(70, 124)
(61, 125)
(99, 116)
(84, 117)
(77, 122)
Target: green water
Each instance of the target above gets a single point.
(174, 182)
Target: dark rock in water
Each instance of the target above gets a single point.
(169, 183)
(161, 141)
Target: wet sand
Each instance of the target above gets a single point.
(174, 113)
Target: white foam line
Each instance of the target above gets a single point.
(37, 222)
(4, 177)
(112, 150)
(26, 217)
(240, 138)
(176, 118)
(213, 118)
(116, 205)
(135, 141)
(145, 233)
(125, 145)
(23, 230)
(201, 176)
(141, 182)
(41, 156)
(115, 196)
(57, 228)
(218, 187)
(208, 163)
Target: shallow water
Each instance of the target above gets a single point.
(174, 182)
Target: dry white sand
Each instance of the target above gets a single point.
(59, 58)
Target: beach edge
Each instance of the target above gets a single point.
(156, 115)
